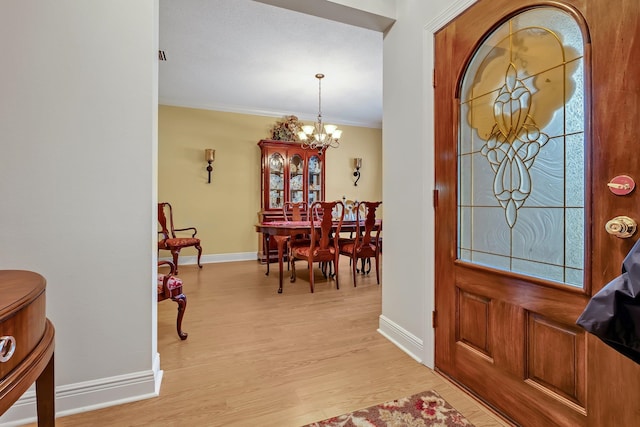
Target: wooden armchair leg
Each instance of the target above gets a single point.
(182, 306)
(175, 253)
(199, 248)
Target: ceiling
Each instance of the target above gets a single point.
(250, 57)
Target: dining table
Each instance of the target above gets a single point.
(282, 231)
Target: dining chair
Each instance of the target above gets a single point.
(295, 211)
(323, 243)
(350, 207)
(169, 240)
(170, 287)
(366, 243)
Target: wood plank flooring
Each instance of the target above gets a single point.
(257, 358)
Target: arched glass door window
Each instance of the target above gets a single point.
(521, 153)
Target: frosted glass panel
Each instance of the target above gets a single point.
(537, 269)
(556, 23)
(548, 176)
(465, 227)
(464, 187)
(574, 238)
(482, 178)
(574, 276)
(575, 170)
(521, 149)
(491, 260)
(539, 236)
(494, 239)
(466, 133)
(574, 109)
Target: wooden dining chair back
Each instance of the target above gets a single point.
(323, 243)
(366, 243)
(295, 211)
(169, 240)
(170, 287)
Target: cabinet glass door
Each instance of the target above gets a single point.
(315, 179)
(296, 178)
(276, 181)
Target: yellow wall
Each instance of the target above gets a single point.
(225, 210)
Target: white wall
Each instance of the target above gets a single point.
(408, 161)
(78, 120)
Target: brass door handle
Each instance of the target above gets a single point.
(621, 226)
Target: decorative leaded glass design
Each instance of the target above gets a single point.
(521, 149)
(512, 147)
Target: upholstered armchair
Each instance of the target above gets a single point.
(169, 240)
(170, 287)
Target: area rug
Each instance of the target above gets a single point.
(426, 409)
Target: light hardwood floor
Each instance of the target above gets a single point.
(257, 358)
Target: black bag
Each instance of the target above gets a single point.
(613, 314)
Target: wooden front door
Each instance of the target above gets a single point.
(537, 108)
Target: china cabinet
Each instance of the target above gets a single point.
(290, 173)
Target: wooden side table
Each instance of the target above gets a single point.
(26, 343)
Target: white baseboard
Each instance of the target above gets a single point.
(210, 259)
(406, 341)
(89, 395)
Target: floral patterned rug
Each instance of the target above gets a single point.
(426, 409)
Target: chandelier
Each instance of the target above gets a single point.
(320, 136)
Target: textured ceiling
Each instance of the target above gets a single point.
(249, 57)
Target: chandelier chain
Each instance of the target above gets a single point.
(319, 97)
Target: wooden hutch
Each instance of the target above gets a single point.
(290, 173)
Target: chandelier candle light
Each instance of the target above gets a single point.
(320, 136)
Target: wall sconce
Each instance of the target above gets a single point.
(357, 163)
(210, 156)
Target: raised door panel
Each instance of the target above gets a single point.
(473, 321)
(556, 359)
